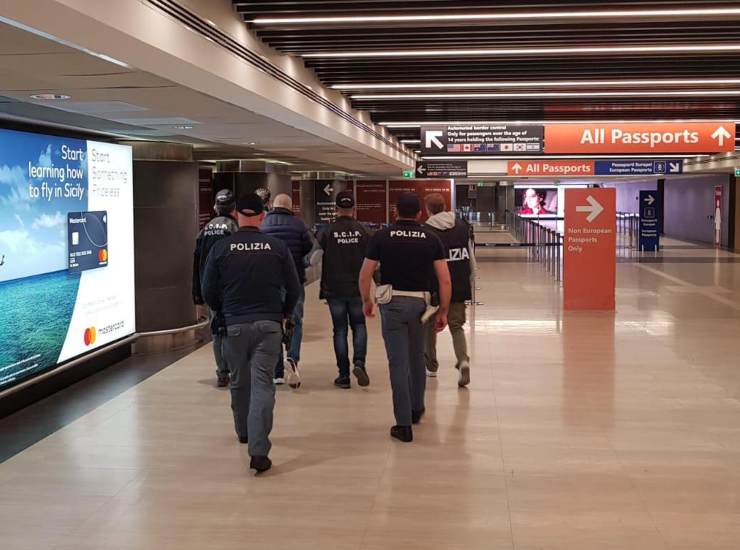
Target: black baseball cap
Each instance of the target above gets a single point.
(345, 199)
(408, 205)
(250, 204)
(225, 198)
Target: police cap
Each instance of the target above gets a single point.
(225, 199)
(250, 204)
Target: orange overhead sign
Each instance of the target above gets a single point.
(550, 168)
(590, 249)
(640, 137)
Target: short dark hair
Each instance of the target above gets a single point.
(435, 203)
(408, 205)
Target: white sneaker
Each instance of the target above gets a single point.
(464, 379)
(431, 373)
(292, 373)
(278, 381)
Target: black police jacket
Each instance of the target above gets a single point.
(345, 244)
(250, 277)
(215, 230)
(455, 235)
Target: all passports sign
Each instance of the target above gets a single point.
(590, 249)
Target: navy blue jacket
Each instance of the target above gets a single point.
(250, 277)
(282, 224)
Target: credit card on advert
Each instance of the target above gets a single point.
(87, 240)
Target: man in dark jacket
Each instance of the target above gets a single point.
(282, 224)
(345, 243)
(250, 279)
(455, 235)
(223, 225)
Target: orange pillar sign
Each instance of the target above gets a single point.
(590, 249)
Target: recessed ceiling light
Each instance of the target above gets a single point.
(50, 97)
(654, 93)
(507, 16)
(540, 84)
(182, 127)
(607, 50)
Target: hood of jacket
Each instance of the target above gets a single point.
(442, 221)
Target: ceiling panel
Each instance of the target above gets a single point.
(353, 45)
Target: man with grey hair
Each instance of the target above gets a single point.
(282, 224)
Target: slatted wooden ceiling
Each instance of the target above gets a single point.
(322, 41)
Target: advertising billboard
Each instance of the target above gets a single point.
(66, 250)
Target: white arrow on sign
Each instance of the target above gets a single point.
(721, 134)
(674, 167)
(517, 168)
(328, 190)
(421, 170)
(594, 209)
(650, 200)
(432, 137)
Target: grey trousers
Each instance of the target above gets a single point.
(403, 334)
(251, 351)
(456, 322)
(218, 342)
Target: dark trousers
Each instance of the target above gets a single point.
(403, 334)
(346, 313)
(251, 350)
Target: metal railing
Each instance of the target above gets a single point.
(628, 228)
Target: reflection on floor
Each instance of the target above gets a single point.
(579, 431)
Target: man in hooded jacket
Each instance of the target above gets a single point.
(455, 235)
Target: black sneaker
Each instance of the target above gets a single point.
(260, 463)
(343, 382)
(416, 415)
(402, 433)
(243, 440)
(222, 381)
(361, 375)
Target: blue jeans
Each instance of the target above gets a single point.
(345, 313)
(294, 351)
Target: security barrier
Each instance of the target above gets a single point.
(628, 228)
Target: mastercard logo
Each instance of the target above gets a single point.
(90, 336)
(103, 255)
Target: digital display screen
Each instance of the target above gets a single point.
(537, 201)
(66, 250)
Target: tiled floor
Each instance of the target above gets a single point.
(579, 431)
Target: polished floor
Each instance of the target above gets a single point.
(579, 431)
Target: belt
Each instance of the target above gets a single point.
(410, 294)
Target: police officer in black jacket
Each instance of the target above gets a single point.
(455, 235)
(223, 225)
(412, 263)
(251, 280)
(344, 243)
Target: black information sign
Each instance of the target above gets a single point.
(325, 196)
(482, 139)
(442, 169)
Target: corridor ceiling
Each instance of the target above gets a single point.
(416, 61)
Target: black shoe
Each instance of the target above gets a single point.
(402, 433)
(416, 416)
(343, 382)
(222, 381)
(260, 463)
(243, 440)
(361, 375)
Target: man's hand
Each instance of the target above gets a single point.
(440, 323)
(369, 309)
